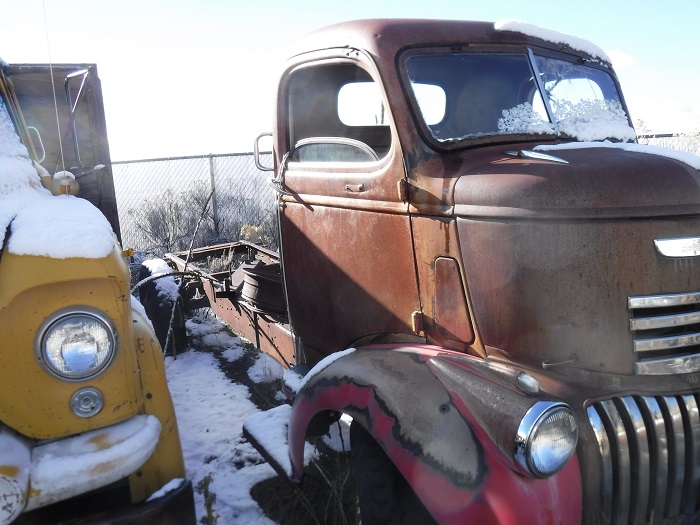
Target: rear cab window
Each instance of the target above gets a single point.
(343, 119)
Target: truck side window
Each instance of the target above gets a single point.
(337, 113)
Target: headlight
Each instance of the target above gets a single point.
(75, 345)
(546, 438)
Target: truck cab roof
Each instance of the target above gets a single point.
(386, 37)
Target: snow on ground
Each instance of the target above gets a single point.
(211, 409)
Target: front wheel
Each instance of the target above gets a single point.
(384, 496)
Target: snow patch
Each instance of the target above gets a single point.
(269, 429)
(41, 224)
(139, 309)
(168, 289)
(323, 364)
(293, 380)
(171, 485)
(210, 412)
(338, 439)
(233, 354)
(10, 144)
(525, 28)
(65, 468)
(202, 325)
(265, 369)
(586, 120)
(60, 227)
(221, 340)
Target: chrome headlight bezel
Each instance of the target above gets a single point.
(533, 422)
(82, 317)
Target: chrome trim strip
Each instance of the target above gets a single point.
(664, 321)
(642, 459)
(535, 155)
(606, 466)
(623, 459)
(659, 468)
(668, 365)
(665, 343)
(675, 485)
(649, 457)
(656, 301)
(692, 413)
(679, 247)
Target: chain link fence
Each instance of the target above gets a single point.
(164, 203)
(689, 142)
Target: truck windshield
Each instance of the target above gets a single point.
(498, 94)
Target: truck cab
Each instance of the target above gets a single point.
(87, 427)
(488, 273)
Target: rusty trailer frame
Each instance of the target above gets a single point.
(228, 294)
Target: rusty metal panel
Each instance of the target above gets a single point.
(349, 274)
(557, 291)
(267, 331)
(436, 238)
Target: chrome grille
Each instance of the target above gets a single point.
(649, 457)
(666, 331)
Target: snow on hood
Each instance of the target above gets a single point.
(682, 156)
(42, 224)
(550, 35)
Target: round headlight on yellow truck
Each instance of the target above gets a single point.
(76, 344)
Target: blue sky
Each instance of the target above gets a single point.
(190, 77)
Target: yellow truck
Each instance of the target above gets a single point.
(88, 432)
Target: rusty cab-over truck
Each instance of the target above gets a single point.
(489, 274)
(87, 425)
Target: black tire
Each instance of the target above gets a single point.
(384, 496)
(160, 311)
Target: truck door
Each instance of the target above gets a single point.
(82, 146)
(345, 231)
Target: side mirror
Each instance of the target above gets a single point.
(263, 157)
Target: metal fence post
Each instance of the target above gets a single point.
(215, 210)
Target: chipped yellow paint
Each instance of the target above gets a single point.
(9, 471)
(107, 466)
(33, 493)
(100, 441)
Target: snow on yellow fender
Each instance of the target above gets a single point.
(66, 468)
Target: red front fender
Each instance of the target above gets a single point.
(429, 433)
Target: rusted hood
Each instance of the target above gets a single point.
(554, 251)
(590, 182)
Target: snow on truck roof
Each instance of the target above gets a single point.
(42, 224)
(387, 36)
(552, 36)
